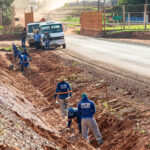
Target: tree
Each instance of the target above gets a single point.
(136, 7)
(7, 13)
(132, 2)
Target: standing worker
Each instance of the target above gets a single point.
(37, 39)
(23, 37)
(73, 113)
(64, 91)
(86, 110)
(46, 40)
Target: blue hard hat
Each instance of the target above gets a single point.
(71, 112)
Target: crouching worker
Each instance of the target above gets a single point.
(73, 114)
(16, 52)
(86, 109)
(64, 91)
(24, 62)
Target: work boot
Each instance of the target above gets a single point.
(100, 142)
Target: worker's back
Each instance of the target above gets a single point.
(86, 108)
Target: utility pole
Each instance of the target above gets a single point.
(31, 9)
(124, 17)
(104, 14)
(13, 17)
(145, 13)
(84, 4)
(98, 5)
(1, 18)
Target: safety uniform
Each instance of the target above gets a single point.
(24, 62)
(64, 91)
(46, 40)
(16, 52)
(73, 113)
(86, 109)
(37, 39)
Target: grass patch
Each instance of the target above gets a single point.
(9, 48)
(77, 31)
(74, 63)
(71, 19)
(129, 28)
(73, 25)
(1, 27)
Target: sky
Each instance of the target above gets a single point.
(49, 4)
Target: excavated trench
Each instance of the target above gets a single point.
(125, 127)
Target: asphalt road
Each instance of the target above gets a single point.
(127, 57)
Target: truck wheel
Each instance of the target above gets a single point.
(64, 46)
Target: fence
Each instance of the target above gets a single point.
(127, 18)
(115, 18)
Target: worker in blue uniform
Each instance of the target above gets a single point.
(86, 109)
(64, 91)
(24, 62)
(16, 52)
(73, 114)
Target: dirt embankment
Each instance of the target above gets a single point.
(126, 127)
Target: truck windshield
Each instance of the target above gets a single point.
(51, 28)
(33, 27)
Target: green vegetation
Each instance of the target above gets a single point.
(129, 28)
(131, 2)
(74, 63)
(1, 27)
(71, 19)
(9, 48)
(7, 13)
(77, 31)
(73, 25)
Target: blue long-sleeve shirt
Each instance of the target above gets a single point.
(37, 37)
(77, 116)
(63, 89)
(16, 51)
(25, 59)
(86, 108)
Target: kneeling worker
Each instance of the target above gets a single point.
(72, 114)
(86, 109)
(24, 62)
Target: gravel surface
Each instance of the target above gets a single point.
(15, 132)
